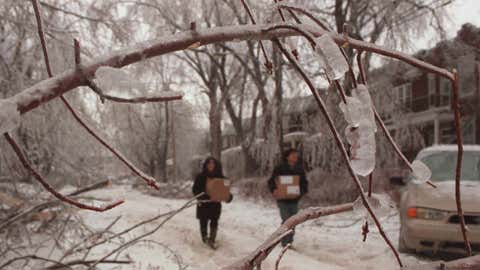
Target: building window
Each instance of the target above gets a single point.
(445, 92)
(404, 94)
(432, 87)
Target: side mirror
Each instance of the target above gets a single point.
(397, 181)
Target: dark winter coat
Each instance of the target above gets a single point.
(208, 210)
(286, 169)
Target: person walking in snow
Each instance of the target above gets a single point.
(288, 207)
(208, 212)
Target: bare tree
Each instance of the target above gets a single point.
(45, 91)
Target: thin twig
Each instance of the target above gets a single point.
(268, 64)
(458, 173)
(140, 237)
(85, 239)
(291, 7)
(297, 20)
(150, 180)
(86, 263)
(32, 257)
(365, 230)
(26, 164)
(280, 256)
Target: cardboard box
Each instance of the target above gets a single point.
(218, 189)
(288, 187)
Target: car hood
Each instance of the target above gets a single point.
(443, 197)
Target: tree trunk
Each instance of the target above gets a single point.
(250, 164)
(215, 117)
(277, 63)
(164, 148)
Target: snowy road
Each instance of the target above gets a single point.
(328, 243)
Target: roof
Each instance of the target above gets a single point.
(446, 54)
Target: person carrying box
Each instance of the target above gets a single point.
(210, 181)
(288, 184)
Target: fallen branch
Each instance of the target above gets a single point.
(49, 204)
(255, 258)
(32, 257)
(93, 235)
(131, 242)
(41, 180)
(86, 263)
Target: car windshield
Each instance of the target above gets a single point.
(443, 165)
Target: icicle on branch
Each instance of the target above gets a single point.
(340, 145)
(417, 170)
(165, 95)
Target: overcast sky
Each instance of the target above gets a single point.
(460, 12)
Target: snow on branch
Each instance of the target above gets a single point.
(110, 76)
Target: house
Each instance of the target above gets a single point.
(297, 112)
(407, 97)
(426, 99)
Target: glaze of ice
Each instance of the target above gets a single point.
(116, 81)
(362, 94)
(362, 149)
(9, 116)
(169, 94)
(421, 173)
(363, 159)
(350, 111)
(381, 205)
(331, 57)
(360, 132)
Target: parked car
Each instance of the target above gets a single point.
(428, 216)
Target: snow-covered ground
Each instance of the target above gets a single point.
(333, 242)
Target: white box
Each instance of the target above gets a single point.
(286, 179)
(293, 190)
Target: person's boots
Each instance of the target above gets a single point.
(203, 232)
(211, 239)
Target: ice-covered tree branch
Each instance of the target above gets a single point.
(48, 89)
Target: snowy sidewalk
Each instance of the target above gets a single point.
(335, 244)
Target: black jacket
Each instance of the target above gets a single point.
(206, 210)
(286, 169)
